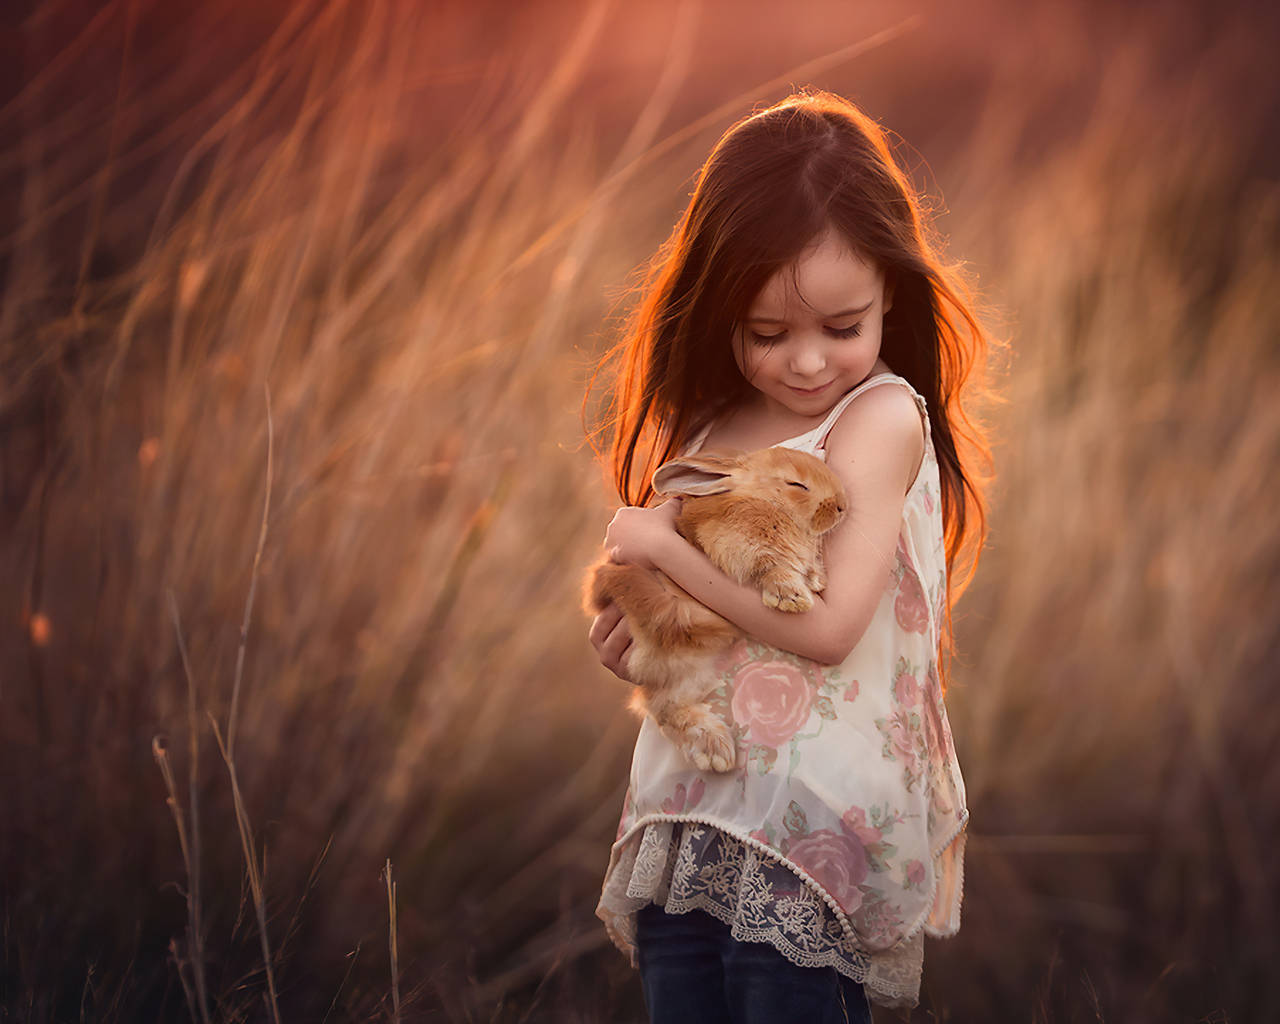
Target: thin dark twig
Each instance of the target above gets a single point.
(227, 748)
(251, 862)
(195, 922)
(161, 753)
(84, 994)
(253, 583)
(182, 976)
(294, 921)
(395, 957)
(354, 956)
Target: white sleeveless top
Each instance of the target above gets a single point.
(839, 835)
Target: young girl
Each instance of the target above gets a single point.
(800, 302)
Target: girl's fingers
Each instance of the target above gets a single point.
(618, 644)
(602, 625)
(611, 638)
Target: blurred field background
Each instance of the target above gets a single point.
(417, 223)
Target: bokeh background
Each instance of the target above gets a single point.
(416, 225)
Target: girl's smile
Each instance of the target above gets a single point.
(814, 330)
(810, 391)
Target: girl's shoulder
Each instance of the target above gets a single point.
(884, 430)
(892, 407)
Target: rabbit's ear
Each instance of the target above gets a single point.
(695, 475)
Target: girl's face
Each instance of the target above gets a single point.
(813, 332)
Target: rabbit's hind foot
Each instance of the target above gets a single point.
(709, 745)
(700, 734)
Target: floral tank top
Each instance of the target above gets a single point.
(839, 835)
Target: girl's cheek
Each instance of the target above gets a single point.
(758, 357)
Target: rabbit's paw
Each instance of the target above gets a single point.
(710, 746)
(787, 596)
(816, 579)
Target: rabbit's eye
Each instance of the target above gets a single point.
(797, 483)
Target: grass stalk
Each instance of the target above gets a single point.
(251, 864)
(253, 585)
(392, 941)
(226, 748)
(194, 915)
(176, 953)
(353, 956)
(161, 753)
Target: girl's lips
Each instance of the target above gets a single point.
(810, 391)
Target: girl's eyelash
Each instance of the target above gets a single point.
(852, 331)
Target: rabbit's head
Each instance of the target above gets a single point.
(795, 482)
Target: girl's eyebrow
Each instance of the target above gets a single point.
(826, 316)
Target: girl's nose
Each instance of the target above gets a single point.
(807, 359)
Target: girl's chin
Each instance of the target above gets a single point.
(810, 401)
(806, 408)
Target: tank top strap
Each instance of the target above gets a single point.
(698, 440)
(822, 431)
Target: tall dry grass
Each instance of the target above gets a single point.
(414, 236)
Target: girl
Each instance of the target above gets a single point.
(800, 302)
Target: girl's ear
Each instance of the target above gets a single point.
(888, 292)
(696, 475)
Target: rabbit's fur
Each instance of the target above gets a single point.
(760, 518)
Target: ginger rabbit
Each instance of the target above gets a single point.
(760, 518)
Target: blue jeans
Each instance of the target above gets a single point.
(694, 972)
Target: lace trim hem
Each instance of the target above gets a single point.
(884, 993)
(683, 869)
(672, 866)
(950, 928)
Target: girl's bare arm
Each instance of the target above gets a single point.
(875, 449)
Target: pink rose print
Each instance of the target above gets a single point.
(684, 799)
(855, 822)
(900, 744)
(900, 738)
(878, 922)
(915, 874)
(836, 861)
(910, 607)
(928, 501)
(851, 691)
(772, 701)
(936, 732)
(906, 691)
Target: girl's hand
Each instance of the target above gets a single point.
(612, 640)
(636, 535)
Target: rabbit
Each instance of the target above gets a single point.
(760, 518)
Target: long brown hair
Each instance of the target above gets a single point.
(771, 185)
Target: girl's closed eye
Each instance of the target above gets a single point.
(852, 331)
